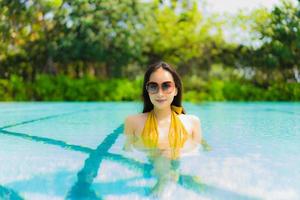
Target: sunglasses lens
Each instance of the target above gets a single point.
(152, 87)
(167, 87)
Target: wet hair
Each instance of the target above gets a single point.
(148, 106)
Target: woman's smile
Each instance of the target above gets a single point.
(160, 100)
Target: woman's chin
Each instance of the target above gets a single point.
(161, 105)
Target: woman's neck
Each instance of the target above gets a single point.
(162, 114)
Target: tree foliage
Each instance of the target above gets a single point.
(112, 39)
(278, 35)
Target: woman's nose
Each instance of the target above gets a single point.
(160, 91)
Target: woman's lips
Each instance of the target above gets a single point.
(161, 100)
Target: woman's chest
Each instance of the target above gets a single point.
(163, 131)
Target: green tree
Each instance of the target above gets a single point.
(279, 36)
(49, 36)
(182, 36)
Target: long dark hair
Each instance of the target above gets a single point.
(148, 106)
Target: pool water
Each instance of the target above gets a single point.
(74, 151)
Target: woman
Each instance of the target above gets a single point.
(163, 130)
(163, 125)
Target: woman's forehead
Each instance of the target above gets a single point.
(161, 75)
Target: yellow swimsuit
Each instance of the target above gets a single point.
(177, 133)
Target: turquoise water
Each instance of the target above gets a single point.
(74, 151)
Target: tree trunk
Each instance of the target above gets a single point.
(49, 68)
(296, 74)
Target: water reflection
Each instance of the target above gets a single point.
(159, 167)
(166, 166)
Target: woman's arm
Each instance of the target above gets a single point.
(197, 131)
(197, 134)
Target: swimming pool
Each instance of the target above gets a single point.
(74, 150)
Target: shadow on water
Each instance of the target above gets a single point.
(48, 141)
(48, 117)
(110, 156)
(282, 111)
(59, 183)
(193, 183)
(6, 193)
(85, 177)
(56, 184)
(84, 187)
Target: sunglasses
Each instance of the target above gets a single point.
(153, 87)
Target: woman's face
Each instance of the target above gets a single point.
(161, 88)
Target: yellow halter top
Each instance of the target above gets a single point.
(177, 133)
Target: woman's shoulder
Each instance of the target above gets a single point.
(132, 121)
(191, 118)
(191, 123)
(136, 117)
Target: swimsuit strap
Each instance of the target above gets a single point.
(178, 110)
(177, 133)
